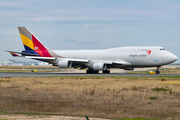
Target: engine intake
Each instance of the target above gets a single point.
(99, 66)
(64, 64)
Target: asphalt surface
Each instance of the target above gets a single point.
(41, 74)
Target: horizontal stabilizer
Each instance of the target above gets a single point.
(22, 53)
(14, 54)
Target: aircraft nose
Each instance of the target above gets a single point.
(174, 58)
(169, 58)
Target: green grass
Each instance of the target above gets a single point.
(153, 98)
(163, 79)
(160, 89)
(26, 88)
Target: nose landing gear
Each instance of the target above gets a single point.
(157, 70)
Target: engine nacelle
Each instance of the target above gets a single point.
(64, 64)
(128, 68)
(99, 66)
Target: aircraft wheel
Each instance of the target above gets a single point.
(157, 71)
(106, 71)
(92, 71)
(88, 71)
(96, 72)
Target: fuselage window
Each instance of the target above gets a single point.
(162, 49)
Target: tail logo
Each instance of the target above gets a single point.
(36, 48)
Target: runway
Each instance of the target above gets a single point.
(43, 74)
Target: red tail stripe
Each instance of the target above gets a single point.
(39, 48)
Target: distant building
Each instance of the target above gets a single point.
(14, 62)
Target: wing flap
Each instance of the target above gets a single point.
(121, 63)
(78, 60)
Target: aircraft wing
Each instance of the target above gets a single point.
(121, 62)
(40, 58)
(53, 58)
(78, 62)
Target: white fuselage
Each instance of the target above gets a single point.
(136, 56)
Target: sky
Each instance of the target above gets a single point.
(91, 24)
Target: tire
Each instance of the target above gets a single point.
(92, 72)
(106, 71)
(157, 71)
(88, 71)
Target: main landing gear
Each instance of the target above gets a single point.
(92, 72)
(96, 72)
(157, 70)
(106, 71)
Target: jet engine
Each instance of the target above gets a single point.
(99, 66)
(64, 64)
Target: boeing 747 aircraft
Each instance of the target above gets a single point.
(126, 58)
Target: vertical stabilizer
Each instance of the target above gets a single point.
(32, 44)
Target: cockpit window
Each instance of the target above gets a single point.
(162, 49)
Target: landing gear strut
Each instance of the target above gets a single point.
(157, 70)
